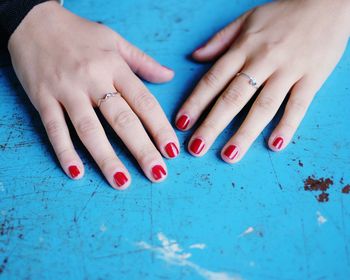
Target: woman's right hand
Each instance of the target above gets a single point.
(66, 64)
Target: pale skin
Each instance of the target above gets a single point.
(66, 63)
(288, 47)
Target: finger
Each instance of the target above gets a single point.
(228, 105)
(147, 108)
(91, 133)
(54, 122)
(212, 83)
(221, 40)
(129, 128)
(261, 113)
(143, 65)
(297, 105)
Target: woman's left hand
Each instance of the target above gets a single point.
(284, 46)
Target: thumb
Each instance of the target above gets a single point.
(221, 41)
(142, 64)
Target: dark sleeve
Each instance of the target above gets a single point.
(12, 12)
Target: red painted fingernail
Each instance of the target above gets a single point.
(168, 68)
(74, 171)
(183, 122)
(120, 178)
(197, 146)
(231, 152)
(171, 150)
(158, 172)
(278, 142)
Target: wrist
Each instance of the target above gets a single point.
(32, 22)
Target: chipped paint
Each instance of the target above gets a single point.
(320, 218)
(200, 246)
(171, 252)
(249, 230)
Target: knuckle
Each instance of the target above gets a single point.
(38, 92)
(297, 105)
(65, 155)
(41, 89)
(136, 55)
(265, 103)
(247, 39)
(194, 103)
(271, 53)
(162, 133)
(288, 125)
(145, 101)
(221, 35)
(248, 135)
(142, 56)
(124, 119)
(146, 154)
(210, 126)
(87, 126)
(107, 163)
(53, 128)
(211, 78)
(233, 96)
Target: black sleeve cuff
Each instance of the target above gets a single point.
(12, 12)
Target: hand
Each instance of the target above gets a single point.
(65, 64)
(287, 46)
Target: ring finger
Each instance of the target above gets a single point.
(228, 105)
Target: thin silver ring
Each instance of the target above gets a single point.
(252, 81)
(106, 96)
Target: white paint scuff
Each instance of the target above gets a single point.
(320, 218)
(249, 230)
(103, 228)
(200, 246)
(171, 252)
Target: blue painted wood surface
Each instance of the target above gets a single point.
(55, 228)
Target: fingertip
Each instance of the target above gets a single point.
(75, 171)
(121, 180)
(171, 150)
(158, 173)
(230, 154)
(183, 122)
(196, 147)
(207, 52)
(168, 73)
(277, 143)
(201, 55)
(197, 52)
(159, 76)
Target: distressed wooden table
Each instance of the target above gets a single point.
(209, 220)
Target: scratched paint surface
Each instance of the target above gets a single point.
(209, 220)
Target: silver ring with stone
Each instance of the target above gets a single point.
(252, 81)
(105, 97)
